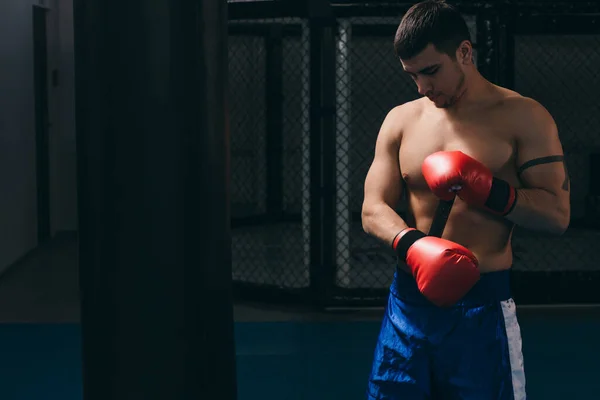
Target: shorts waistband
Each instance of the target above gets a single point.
(492, 287)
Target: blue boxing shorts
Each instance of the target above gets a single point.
(470, 351)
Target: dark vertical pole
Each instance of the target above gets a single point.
(40, 79)
(274, 102)
(506, 46)
(328, 116)
(153, 166)
(315, 271)
(318, 14)
(487, 44)
(495, 44)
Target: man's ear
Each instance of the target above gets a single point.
(464, 53)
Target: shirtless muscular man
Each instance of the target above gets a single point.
(450, 329)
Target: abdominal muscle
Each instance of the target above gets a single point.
(485, 235)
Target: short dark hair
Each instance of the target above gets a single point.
(430, 21)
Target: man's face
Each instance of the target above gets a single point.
(437, 76)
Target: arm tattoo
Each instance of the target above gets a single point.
(565, 185)
(547, 160)
(539, 161)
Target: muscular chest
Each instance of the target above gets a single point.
(486, 142)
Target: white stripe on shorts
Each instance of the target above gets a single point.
(513, 334)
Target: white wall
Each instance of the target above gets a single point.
(18, 196)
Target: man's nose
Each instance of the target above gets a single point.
(424, 86)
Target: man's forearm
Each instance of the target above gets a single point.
(539, 210)
(382, 222)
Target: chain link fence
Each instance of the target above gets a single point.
(559, 71)
(278, 243)
(269, 125)
(368, 85)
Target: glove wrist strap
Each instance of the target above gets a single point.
(404, 239)
(502, 198)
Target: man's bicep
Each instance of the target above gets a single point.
(384, 182)
(540, 156)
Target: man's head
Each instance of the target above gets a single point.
(434, 46)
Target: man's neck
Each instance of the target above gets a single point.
(475, 90)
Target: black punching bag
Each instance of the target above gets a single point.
(153, 185)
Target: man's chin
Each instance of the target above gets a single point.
(439, 102)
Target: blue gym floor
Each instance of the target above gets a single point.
(281, 354)
(302, 360)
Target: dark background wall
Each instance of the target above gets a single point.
(18, 202)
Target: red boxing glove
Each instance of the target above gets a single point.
(444, 271)
(450, 172)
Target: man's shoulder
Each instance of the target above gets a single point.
(406, 112)
(399, 119)
(525, 113)
(514, 102)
